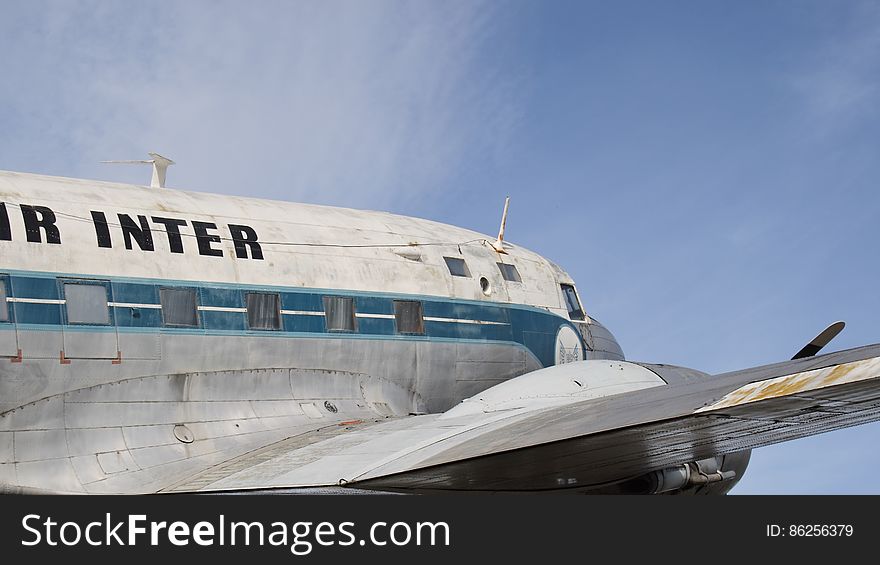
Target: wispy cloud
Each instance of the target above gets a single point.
(362, 103)
(841, 84)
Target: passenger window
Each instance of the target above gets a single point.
(4, 306)
(86, 303)
(457, 267)
(408, 317)
(509, 272)
(179, 307)
(263, 311)
(575, 312)
(339, 313)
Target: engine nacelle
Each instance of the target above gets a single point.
(593, 379)
(715, 475)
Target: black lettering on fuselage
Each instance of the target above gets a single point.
(5, 231)
(172, 228)
(136, 228)
(102, 230)
(142, 235)
(244, 238)
(45, 221)
(205, 239)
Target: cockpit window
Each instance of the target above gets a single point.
(509, 272)
(457, 267)
(575, 312)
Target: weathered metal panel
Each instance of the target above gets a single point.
(274, 408)
(156, 434)
(472, 376)
(50, 474)
(257, 384)
(140, 345)
(113, 462)
(324, 384)
(7, 474)
(85, 441)
(37, 344)
(84, 344)
(8, 340)
(468, 387)
(6, 447)
(45, 414)
(34, 445)
(87, 469)
(113, 414)
(147, 457)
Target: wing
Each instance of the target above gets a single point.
(533, 444)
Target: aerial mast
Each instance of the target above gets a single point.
(160, 166)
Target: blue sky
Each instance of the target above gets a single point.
(707, 171)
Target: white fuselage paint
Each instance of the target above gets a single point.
(91, 407)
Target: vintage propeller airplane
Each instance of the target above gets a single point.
(156, 340)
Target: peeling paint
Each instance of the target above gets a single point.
(798, 383)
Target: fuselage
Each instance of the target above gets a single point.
(108, 284)
(489, 316)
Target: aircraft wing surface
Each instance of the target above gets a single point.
(576, 444)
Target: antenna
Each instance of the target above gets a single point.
(498, 245)
(160, 166)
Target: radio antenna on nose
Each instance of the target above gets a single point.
(160, 166)
(498, 245)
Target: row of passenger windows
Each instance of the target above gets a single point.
(86, 303)
(458, 268)
(180, 309)
(179, 305)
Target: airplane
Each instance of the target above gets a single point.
(154, 340)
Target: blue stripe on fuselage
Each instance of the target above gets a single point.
(528, 326)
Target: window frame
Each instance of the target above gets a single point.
(582, 313)
(504, 273)
(278, 315)
(467, 271)
(91, 283)
(397, 317)
(347, 299)
(196, 302)
(6, 306)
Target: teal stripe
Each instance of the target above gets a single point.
(528, 327)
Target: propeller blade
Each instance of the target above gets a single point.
(820, 341)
